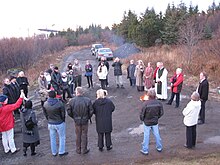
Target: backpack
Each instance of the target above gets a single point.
(29, 123)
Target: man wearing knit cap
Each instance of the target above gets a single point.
(7, 122)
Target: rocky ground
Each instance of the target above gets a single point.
(127, 132)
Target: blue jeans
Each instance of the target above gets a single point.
(61, 130)
(155, 131)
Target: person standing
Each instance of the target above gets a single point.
(191, 115)
(7, 122)
(104, 59)
(88, 74)
(23, 82)
(151, 111)
(148, 76)
(161, 82)
(80, 109)
(130, 73)
(176, 87)
(9, 92)
(54, 111)
(42, 83)
(103, 108)
(139, 73)
(203, 91)
(77, 73)
(118, 72)
(30, 136)
(56, 80)
(65, 85)
(102, 73)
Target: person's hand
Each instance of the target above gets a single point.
(22, 95)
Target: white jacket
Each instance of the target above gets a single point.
(103, 74)
(191, 113)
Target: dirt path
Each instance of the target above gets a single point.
(127, 130)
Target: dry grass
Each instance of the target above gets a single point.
(211, 159)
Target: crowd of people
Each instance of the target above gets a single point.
(62, 93)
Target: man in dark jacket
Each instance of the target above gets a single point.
(118, 72)
(130, 73)
(54, 111)
(203, 91)
(8, 91)
(152, 110)
(56, 80)
(80, 109)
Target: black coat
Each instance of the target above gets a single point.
(117, 68)
(8, 91)
(80, 109)
(203, 89)
(151, 111)
(103, 108)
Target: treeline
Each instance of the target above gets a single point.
(23, 53)
(179, 25)
(87, 36)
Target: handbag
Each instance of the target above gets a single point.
(29, 123)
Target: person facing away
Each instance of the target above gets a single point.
(103, 108)
(102, 73)
(161, 82)
(7, 122)
(54, 111)
(30, 136)
(191, 115)
(203, 90)
(23, 82)
(118, 72)
(88, 73)
(130, 73)
(176, 87)
(151, 111)
(80, 109)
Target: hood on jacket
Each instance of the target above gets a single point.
(101, 101)
(52, 101)
(196, 104)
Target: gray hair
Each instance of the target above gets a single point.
(195, 96)
(151, 93)
(79, 91)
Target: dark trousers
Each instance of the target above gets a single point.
(32, 146)
(132, 82)
(68, 93)
(108, 141)
(202, 111)
(81, 137)
(107, 80)
(78, 81)
(103, 83)
(191, 136)
(177, 98)
(89, 81)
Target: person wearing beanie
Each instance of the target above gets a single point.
(30, 137)
(54, 111)
(7, 122)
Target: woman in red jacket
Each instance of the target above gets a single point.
(7, 122)
(176, 87)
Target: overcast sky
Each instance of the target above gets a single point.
(24, 17)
